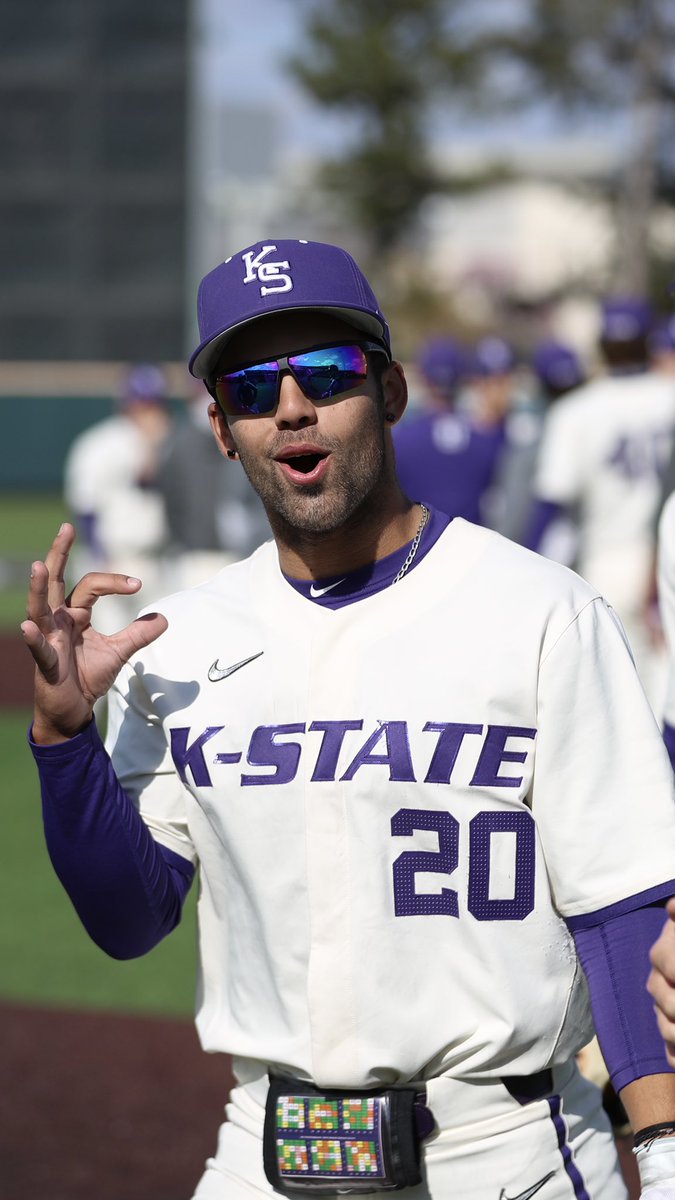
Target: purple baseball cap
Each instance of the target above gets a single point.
(144, 382)
(625, 318)
(557, 366)
(492, 356)
(275, 276)
(442, 362)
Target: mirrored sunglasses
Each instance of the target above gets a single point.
(322, 374)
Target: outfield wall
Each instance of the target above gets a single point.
(44, 406)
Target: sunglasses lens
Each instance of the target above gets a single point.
(323, 374)
(253, 390)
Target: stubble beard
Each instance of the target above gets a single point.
(323, 507)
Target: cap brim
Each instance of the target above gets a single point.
(206, 356)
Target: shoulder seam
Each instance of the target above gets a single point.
(592, 600)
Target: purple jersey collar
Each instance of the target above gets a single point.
(336, 591)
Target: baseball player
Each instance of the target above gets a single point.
(109, 486)
(410, 763)
(603, 453)
(440, 449)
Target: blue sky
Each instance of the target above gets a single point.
(241, 53)
(242, 48)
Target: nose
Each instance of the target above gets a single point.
(294, 410)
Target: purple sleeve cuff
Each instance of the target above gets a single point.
(654, 895)
(615, 959)
(128, 890)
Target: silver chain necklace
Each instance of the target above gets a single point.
(415, 545)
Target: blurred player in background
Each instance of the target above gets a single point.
(502, 405)
(441, 452)
(110, 487)
(413, 765)
(213, 515)
(662, 347)
(557, 370)
(603, 453)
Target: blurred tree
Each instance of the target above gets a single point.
(389, 63)
(608, 58)
(378, 62)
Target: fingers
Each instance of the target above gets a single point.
(56, 561)
(101, 583)
(661, 982)
(37, 605)
(139, 633)
(667, 1031)
(44, 654)
(662, 954)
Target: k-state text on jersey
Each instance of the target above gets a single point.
(338, 750)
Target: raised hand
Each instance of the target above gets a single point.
(75, 665)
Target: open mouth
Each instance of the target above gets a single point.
(304, 463)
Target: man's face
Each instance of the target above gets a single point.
(313, 465)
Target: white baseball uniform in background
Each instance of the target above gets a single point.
(604, 449)
(101, 479)
(393, 806)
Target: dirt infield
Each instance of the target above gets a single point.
(16, 672)
(105, 1107)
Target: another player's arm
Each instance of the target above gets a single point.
(611, 951)
(661, 982)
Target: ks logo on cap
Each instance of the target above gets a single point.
(264, 272)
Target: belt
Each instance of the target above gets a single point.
(528, 1088)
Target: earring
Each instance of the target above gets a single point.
(389, 417)
(232, 454)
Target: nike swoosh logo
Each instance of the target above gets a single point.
(528, 1191)
(217, 673)
(315, 592)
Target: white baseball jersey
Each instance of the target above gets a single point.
(393, 806)
(101, 473)
(605, 446)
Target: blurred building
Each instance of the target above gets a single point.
(93, 178)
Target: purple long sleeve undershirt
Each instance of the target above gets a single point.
(126, 888)
(128, 892)
(623, 1011)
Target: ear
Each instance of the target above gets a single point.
(395, 391)
(221, 431)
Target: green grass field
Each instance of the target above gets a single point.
(28, 522)
(46, 956)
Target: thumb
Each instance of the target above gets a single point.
(139, 633)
